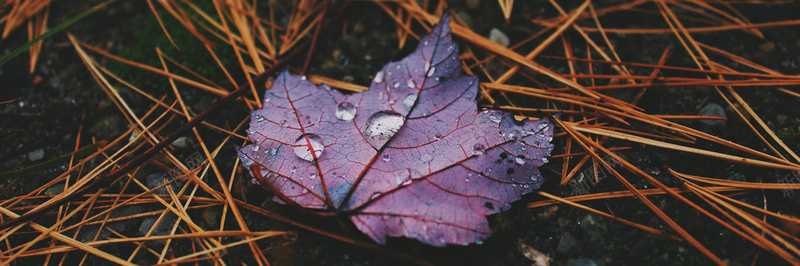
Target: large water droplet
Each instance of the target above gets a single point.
(382, 126)
(410, 100)
(396, 85)
(255, 147)
(312, 176)
(305, 144)
(378, 77)
(519, 161)
(427, 66)
(478, 149)
(258, 117)
(386, 158)
(346, 111)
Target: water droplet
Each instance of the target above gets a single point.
(305, 144)
(303, 77)
(451, 47)
(425, 42)
(479, 241)
(294, 168)
(382, 126)
(495, 117)
(258, 117)
(466, 179)
(397, 66)
(312, 176)
(345, 111)
(544, 160)
(378, 77)
(255, 147)
(406, 183)
(273, 151)
(426, 158)
(386, 158)
(410, 83)
(374, 195)
(514, 135)
(427, 66)
(519, 161)
(437, 137)
(478, 149)
(396, 85)
(410, 100)
(266, 99)
(284, 123)
(431, 71)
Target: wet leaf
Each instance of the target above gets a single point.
(410, 157)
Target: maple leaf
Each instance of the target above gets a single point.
(410, 157)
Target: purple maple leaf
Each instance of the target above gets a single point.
(410, 157)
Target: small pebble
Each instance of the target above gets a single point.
(36, 155)
(180, 142)
(584, 262)
(473, 4)
(737, 177)
(782, 118)
(499, 37)
(54, 190)
(566, 243)
(713, 109)
(767, 47)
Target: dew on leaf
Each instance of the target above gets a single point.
(305, 144)
(431, 71)
(495, 117)
(396, 85)
(312, 176)
(346, 111)
(386, 158)
(478, 149)
(410, 83)
(519, 161)
(382, 126)
(378, 77)
(410, 100)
